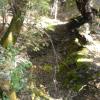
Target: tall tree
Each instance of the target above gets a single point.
(54, 8)
(18, 8)
(85, 8)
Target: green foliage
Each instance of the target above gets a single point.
(5, 97)
(41, 6)
(7, 57)
(70, 3)
(50, 27)
(73, 74)
(33, 39)
(18, 76)
(3, 3)
(17, 69)
(47, 68)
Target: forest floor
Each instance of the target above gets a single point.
(94, 54)
(63, 46)
(46, 76)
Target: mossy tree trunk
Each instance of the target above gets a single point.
(18, 8)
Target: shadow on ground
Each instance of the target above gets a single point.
(73, 73)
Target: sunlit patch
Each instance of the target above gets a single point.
(77, 41)
(95, 47)
(98, 64)
(98, 85)
(83, 52)
(84, 60)
(46, 22)
(88, 38)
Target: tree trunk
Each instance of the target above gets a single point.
(18, 9)
(10, 36)
(54, 8)
(85, 8)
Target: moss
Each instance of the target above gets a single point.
(50, 27)
(47, 68)
(83, 52)
(77, 87)
(73, 71)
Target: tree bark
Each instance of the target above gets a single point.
(18, 10)
(10, 36)
(54, 8)
(85, 8)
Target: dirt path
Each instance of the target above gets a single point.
(94, 50)
(94, 53)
